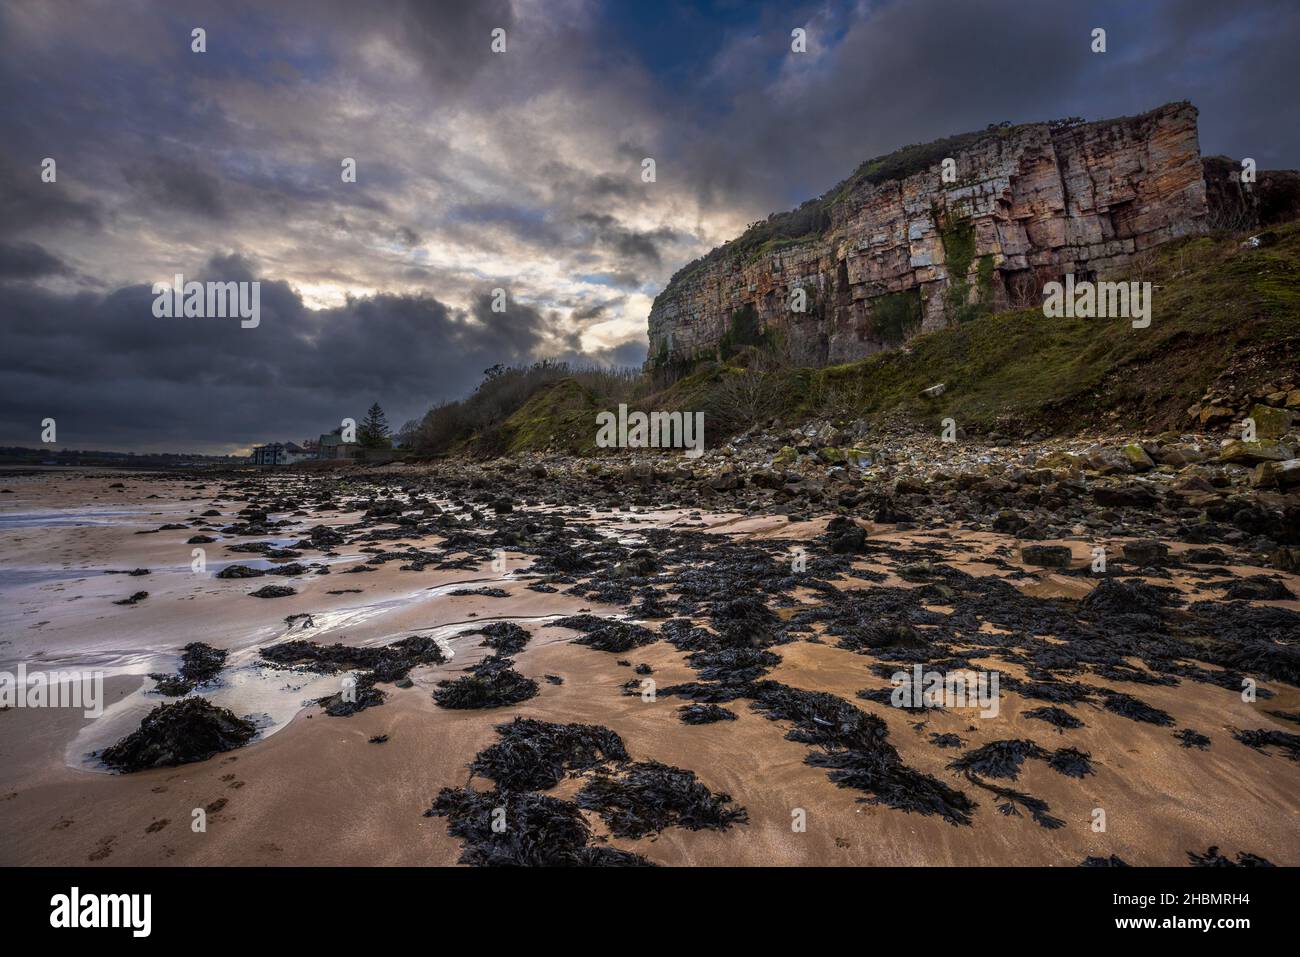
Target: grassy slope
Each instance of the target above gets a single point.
(561, 417)
(1215, 306)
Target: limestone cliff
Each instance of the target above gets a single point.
(895, 250)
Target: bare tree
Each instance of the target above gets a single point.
(744, 398)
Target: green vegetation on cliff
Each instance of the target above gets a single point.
(1218, 308)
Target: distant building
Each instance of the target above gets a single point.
(279, 453)
(332, 446)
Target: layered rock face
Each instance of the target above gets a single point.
(895, 250)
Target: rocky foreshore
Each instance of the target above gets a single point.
(1199, 487)
(634, 656)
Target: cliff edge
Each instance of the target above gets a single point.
(936, 234)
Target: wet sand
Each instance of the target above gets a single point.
(312, 790)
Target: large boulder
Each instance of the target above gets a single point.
(1250, 453)
(1046, 556)
(1285, 474)
(787, 456)
(1146, 552)
(1212, 415)
(1272, 423)
(1178, 454)
(1137, 457)
(1106, 461)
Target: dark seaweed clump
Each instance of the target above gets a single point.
(1071, 762)
(515, 825)
(1115, 597)
(1057, 717)
(273, 591)
(1212, 858)
(999, 759)
(1192, 739)
(615, 637)
(704, 714)
(389, 663)
(1257, 588)
(492, 683)
(1003, 759)
(1287, 743)
(200, 663)
(361, 695)
(1111, 861)
(1127, 706)
(532, 830)
(179, 733)
(1011, 802)
(504, 637)
(648, 797)
(854, 747)
(535, 755)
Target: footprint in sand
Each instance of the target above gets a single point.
(105, 848)
(227, 777)
(63, 824)
(216, 805)
(157, 826)
(235, 785)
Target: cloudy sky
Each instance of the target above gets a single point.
(477, 170)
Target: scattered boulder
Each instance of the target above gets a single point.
(1251, 453)
(1146, 552)
(1272, 423)
(1046, 556)
(1138, 459)
(1283, 475)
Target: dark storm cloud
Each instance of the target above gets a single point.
(475, 170)
(29, 204)
(28, 261)
(628, 243)
(916, 71)
(448, 37)
(109, 372)
(529, 224)
(177, 186)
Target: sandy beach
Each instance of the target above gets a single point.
(313, 789)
